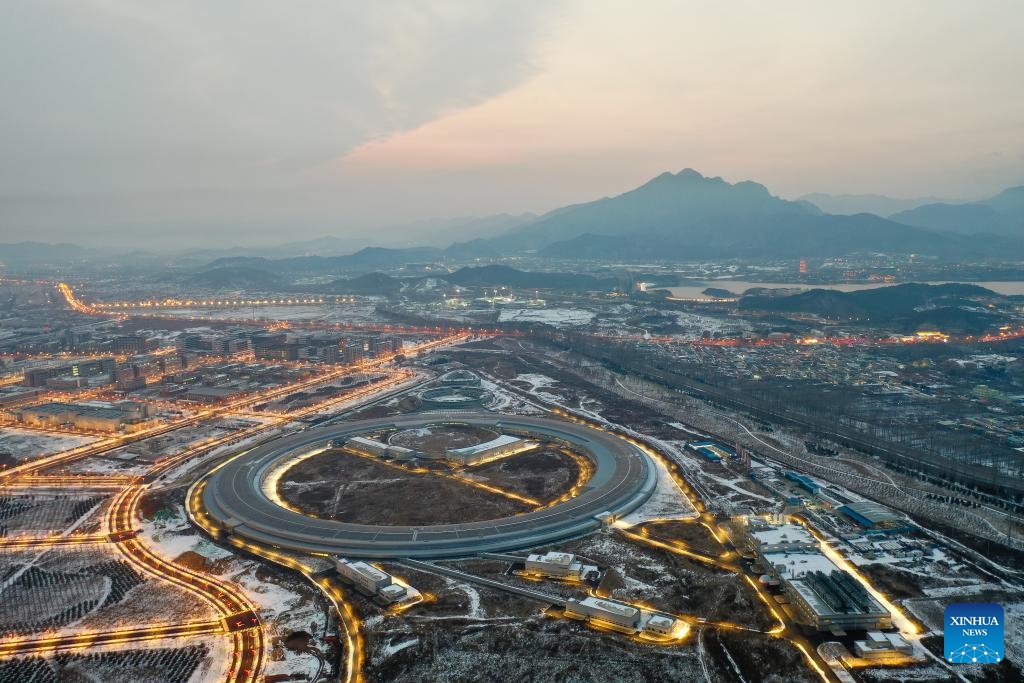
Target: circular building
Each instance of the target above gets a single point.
(237, 498)
(454, 397)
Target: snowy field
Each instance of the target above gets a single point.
(667, 502)
(558, 317)
(24, 444)
(363, 311)
(285, 608)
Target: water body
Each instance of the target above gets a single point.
(696, 291)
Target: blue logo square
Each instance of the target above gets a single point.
(974, 633)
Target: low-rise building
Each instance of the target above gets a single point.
(615, 615)
(378, 449)
(879, 645)
(558, 565)
(371, 580)
(763, 539)
(823, 595)
(91, 415)
(501, 446)
(874, 516)
(660, 625)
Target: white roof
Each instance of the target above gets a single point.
(784, 533)
(501, 440)
(368, 442)
(611, 607)
(799, 563)
(368, 571)
(553, 558)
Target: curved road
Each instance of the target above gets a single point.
(234, 499)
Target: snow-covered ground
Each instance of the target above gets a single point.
(504, 401)
(24, 444)
(667, 502)
(558, 317)
(283, 608)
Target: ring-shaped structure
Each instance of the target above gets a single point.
(235, 500)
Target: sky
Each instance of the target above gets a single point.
(196, 123)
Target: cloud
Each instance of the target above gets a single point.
(108, 97)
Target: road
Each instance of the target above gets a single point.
(86, 641)
(235, 609)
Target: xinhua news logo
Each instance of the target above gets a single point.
(974, 633)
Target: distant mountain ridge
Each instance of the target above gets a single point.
(1002, 214)
(688, 215)
(909, 307)
(851, 204)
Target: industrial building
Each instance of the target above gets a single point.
(804, 482)
(763, 539)
(502, 446)
(377, 449)
(660, 625)
(878, 645)
(370, 580)
(874, 516)
(711, 451)
(559, 565)
(836, 602)
(822, 594)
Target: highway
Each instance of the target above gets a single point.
(235, 504)
(90, 639)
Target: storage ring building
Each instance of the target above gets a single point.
(234, 502)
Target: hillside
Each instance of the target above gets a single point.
(503, 276)
(999, 215)
(688, 215)
(237, 277)
(911, 307)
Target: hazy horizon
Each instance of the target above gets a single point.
(165, 126)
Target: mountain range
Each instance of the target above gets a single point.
(674, 216)
(687, 215)
(880, 205)
(999, 215)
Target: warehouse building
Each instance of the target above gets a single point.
(711, 451)
(378, 449)
(836, 602)
(823, 595)
(762, 539)
(370, 581)
(502, 446)
(874, 516)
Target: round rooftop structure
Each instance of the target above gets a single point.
(454, 397)
(459, 378)
(236, 503)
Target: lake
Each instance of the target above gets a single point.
(696, 291)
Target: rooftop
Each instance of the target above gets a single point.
(784, 533)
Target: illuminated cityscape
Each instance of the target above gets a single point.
(360, 343)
